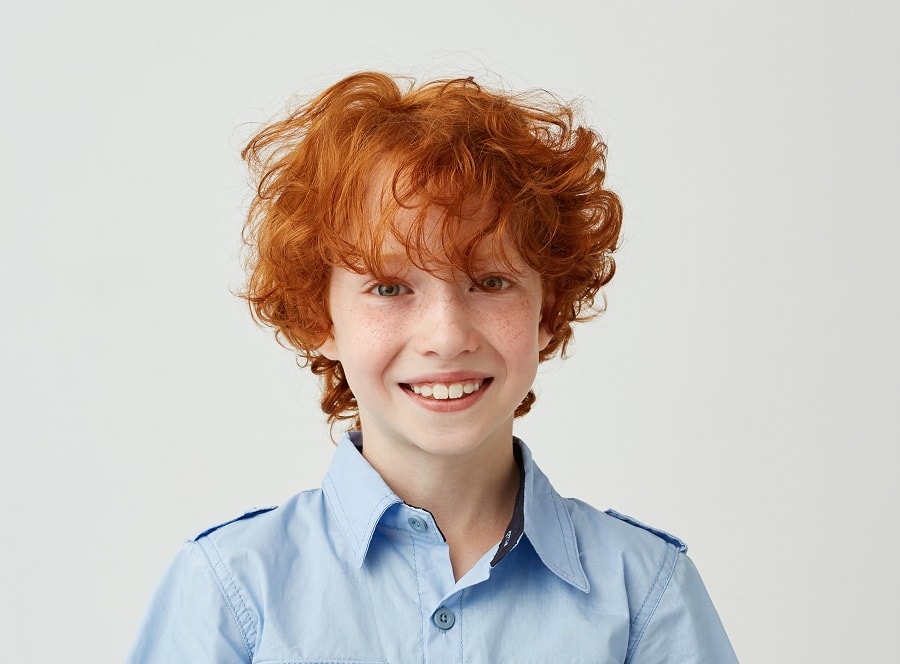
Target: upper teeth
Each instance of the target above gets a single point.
(445, 390)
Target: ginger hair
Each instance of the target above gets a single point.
(446, 143)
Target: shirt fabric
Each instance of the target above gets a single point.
(350, 574)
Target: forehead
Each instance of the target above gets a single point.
(432, 226)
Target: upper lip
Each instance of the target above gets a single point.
(448, 377)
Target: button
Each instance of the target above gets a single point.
(417, 523)
(444, 618)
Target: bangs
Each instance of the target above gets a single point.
(433, 224)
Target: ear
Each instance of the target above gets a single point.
(544, 333)
(329, 349)
(544, 336)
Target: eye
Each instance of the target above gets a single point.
(389, 290)
(493, 283)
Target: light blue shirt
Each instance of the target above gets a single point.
(349, 573)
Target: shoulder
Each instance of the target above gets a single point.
(261, 527)
(620, 551)
(619, 529)
(254, 548)
(672, 617)
(249, 514)
(658, 532)
(648, 566)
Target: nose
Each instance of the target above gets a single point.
(445, 325)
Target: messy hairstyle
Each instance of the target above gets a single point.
(446, 145)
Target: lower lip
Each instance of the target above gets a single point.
(449, 405)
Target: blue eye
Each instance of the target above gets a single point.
(389, 290)
(493, 283)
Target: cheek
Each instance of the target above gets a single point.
(369, 344)
(378, 329)
(517, 325)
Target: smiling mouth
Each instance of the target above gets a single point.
(447, 391)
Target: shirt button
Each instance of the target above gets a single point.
(417, 524)
(444, 618)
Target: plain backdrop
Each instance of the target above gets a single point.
(741, 391)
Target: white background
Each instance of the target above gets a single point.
(741, 391)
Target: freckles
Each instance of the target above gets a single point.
(511, 327)
(379, 328)
(516, 321)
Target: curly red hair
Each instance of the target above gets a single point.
(447, 143)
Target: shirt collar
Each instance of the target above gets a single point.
(358, 498)
(356, 494)
(548, 525)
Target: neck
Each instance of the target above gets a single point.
(471, 496)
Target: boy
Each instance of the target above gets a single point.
(423, 249)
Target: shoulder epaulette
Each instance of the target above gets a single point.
(246, 515)
(668, 537)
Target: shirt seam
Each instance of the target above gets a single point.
(422, 621)
(462, 644)
(652, 600)
(228, 587)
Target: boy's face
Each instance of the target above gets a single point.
(437, 363)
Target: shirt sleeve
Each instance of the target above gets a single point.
(684, 627)
(193, 617)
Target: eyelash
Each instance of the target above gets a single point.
(377, 288)
(503, 285)
(484, 284)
